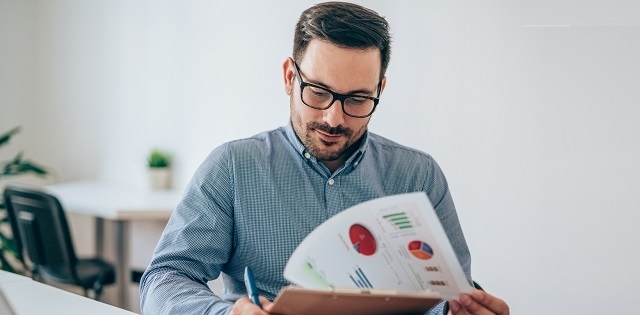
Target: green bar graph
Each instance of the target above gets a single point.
(399, 220)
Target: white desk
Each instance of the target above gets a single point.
(27, 297)
(120, 204)
(6, 277)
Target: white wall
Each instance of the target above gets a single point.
(535, 127)
(16, 71)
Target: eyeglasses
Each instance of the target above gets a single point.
(321, 98)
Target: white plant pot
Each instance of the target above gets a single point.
(160, 178)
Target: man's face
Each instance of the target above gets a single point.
(329, 134)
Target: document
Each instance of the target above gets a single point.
(392, 246)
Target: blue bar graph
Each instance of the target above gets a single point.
(360, 279)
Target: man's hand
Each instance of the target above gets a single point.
(478, 303)
(244, 306)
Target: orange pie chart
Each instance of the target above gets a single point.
(420, 250)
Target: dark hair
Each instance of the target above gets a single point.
(345, 25)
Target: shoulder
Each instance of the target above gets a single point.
(388, 149)
(403, 167)
(259, 142)
(250, 149)
(407, 169)
(241, 153)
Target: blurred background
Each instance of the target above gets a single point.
(530, 107)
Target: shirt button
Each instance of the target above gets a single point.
(331, 181)
(307, 155)
(355, 164)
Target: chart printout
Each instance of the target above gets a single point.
(391, 243)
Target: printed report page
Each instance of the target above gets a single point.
(391, 243)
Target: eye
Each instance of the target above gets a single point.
(318, 92)
(357, 100)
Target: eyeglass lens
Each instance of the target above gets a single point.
(352, 105)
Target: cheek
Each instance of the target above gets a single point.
(360, 127)
(298, 117)
(304, 113)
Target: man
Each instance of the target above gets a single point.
(253, 200)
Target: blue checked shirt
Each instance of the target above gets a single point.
(252, 201)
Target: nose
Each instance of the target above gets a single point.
(334, 116)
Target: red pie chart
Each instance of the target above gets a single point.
(362, 240)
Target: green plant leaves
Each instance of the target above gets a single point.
(20, 166)
(5, 137)
(159, 158)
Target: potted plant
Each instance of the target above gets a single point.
(159, 169)
(10, 258)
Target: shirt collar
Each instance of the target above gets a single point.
(300, 148)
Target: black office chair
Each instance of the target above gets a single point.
(40, 230)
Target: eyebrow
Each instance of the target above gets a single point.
(357, 91)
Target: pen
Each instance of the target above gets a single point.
(250, 284)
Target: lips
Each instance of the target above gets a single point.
(328, 137)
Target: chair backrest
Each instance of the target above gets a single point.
(41, 231)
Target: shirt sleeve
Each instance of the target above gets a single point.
(438, 191)
(194, 246)
(440, 309)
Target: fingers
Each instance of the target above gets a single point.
(244, 306)
(266, 304)
(455, 308)
(478, 303)
(496, 305)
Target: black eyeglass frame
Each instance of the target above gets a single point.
(337, 96)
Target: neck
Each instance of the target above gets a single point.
(334, 165)
(337, 163)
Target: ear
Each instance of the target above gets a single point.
(383, 83)
(289, 74)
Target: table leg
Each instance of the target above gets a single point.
(121, 256)
(122, 263)
(99, 237)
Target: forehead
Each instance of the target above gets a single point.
(341, 69)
